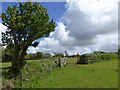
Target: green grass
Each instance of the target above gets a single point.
(95, 75)
(3, 65)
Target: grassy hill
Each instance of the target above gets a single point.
(94, 75)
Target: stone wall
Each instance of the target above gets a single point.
(61, 62)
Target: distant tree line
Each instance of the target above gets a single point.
(100, 55)
(58, 55)
(7, 56)
(37, 55)
(96, 55)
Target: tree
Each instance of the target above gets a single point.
(39, 55)
(7, 56)
(59, 55)
(46, 55)
(25, 23)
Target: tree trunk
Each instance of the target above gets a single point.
(18, 62)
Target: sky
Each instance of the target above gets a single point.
(55, 9)
(82, 26)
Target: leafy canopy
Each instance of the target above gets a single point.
(26, 23)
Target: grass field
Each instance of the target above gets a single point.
(95, 75)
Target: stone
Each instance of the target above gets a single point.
(82, 60)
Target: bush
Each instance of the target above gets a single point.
(37, 55)
(59, 55)
(100, 55)
(7, 58)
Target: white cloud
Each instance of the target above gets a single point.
(62, 35)
(89, 25)
(48, 45)
(86, 26)
(88, 18)
(107, 42)
(2, 29)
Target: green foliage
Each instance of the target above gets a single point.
(7, 56)
(25, 23)
(34, 69)
(100, 55)
(46, 55)
(34, 56)
(39, 54)
(59, 55)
